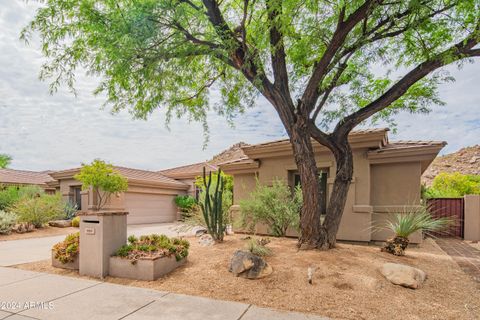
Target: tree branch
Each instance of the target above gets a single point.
(278, 56)
(461, 50)
(312, 93)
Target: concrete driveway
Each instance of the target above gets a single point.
(31, 295)
(35, 249)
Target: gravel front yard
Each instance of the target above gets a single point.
(347, 284)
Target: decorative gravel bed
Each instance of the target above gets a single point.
(346, 284)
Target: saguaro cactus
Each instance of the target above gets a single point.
(212, 208)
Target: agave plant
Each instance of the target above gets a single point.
(406, 223)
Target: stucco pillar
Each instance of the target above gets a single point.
(472, 218)
(101, 234)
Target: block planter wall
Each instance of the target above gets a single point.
(69, 265)
(143, 269)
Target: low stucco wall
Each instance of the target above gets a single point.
(472, 218)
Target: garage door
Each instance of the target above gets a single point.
(149, 208)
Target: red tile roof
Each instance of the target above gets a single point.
(131, 174)
(189, 171)
(11, 176)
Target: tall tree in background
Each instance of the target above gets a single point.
(5, 160)
(313, 60)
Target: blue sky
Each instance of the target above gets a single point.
(54, 132)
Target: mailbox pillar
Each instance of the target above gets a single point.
(101, 234)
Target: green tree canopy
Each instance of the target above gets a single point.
(453, 185)
(103, 179)
(5, 160)
(319, 64)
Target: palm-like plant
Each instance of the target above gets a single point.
(406, 223)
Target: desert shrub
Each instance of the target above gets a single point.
(153, 246)
(187, 205)
(185, 202)
(404, 224)
(67, 250)
(76, 222)
(453, 185)
(39, 210)
(274, 205)
(12, 194)
(8, 196)
(70, 210)
(7, 221)
(259, 247)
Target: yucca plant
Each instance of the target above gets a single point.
(406, 223)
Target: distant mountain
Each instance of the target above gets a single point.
(465, 161)
(235, 152)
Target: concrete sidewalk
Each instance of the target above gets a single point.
(32, 295)
(14, 252)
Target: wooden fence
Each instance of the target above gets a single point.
(453, 208)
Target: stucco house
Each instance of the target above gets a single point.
(11, 177)
(149, 198)
(387, 177)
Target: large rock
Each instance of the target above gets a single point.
(246, 264)
(403, 275)
(60, 223)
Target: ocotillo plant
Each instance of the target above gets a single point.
(212, 206)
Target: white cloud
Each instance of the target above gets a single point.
(43, 132)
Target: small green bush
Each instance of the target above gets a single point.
(453, 185)
(419, 218)
(185, 202)
(11, 195)
(70, 210)
(258, 247)
(40, 209)
(8, 196)
(153, 246)
(7, 221)
(275, 206)
(76, 222)
(67, 250)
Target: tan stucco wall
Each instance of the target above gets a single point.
(472, 218)
(357, 215)
(377, 191)
(394, 188)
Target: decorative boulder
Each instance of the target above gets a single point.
(206, 240)
(403, 275)
(60, 223)
(246, 264)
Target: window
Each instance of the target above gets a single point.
(322, 181)
(76, 197)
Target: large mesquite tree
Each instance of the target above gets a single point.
(313, 60)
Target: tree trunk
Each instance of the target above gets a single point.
(314, 234)
(338, 196)
(310, 224)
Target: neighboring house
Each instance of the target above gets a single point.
(386, 178)
(11, 177)
(188, 174)
(149, 198)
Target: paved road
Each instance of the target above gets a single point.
(31, 295)
(36, 249)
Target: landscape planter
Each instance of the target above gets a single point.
(143, 269)
(74, 265)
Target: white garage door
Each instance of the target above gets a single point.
(149, 208)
